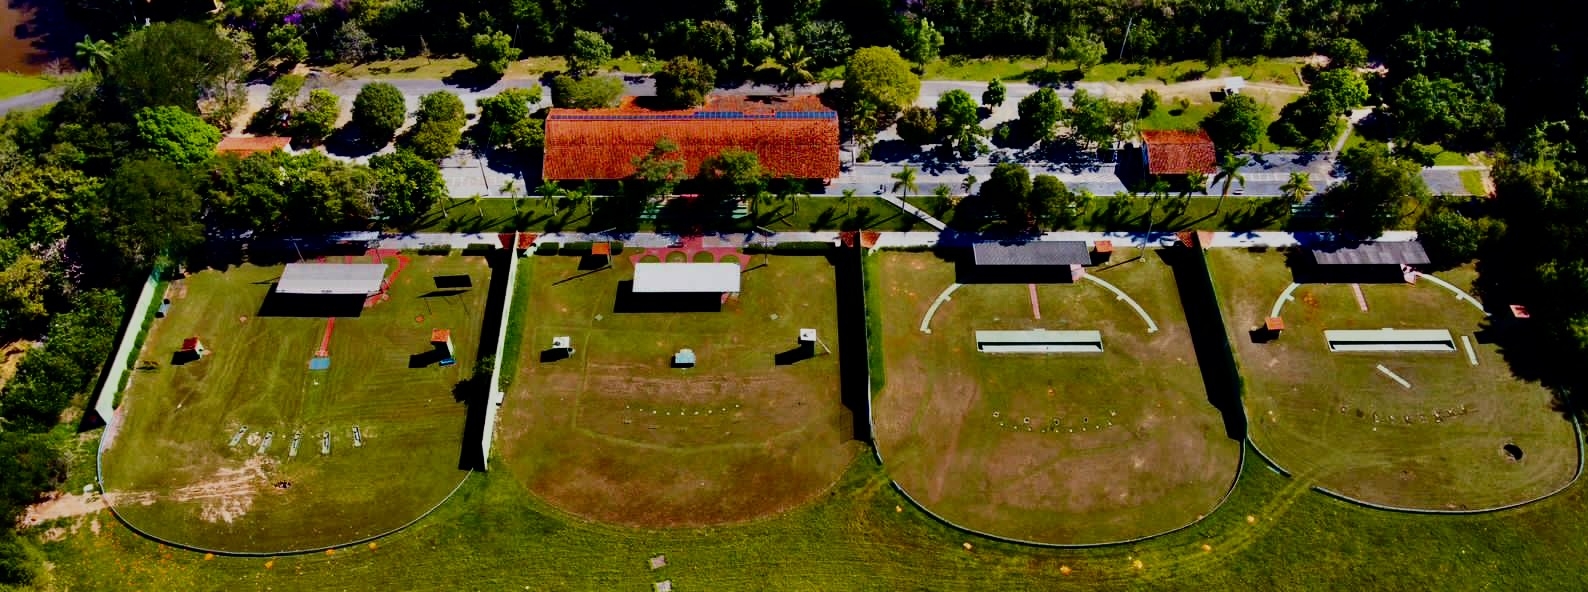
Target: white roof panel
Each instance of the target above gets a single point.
(331, 278)
(686, 277)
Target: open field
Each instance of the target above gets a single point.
(1055, 448)
(13, 84)
(799, 214)
(614, 433)
(1437, 444)
(172, 470)
(1272, 70)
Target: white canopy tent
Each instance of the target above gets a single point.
(686, 278)
(332, 278)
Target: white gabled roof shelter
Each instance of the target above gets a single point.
(686, 278)
(1039, 341)
(1390, 340)
(332, 278)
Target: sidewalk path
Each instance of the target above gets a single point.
(915, 211)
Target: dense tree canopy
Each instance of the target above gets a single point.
(879, 83)
(593, 92)
(176, 136)
(172, 64)
(684, 82)
(379, 111)
(1237, 125)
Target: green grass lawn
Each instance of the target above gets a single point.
(616, 434)
(1170, 116)
(1056, 448)
(1335, 417)
(172, 471)
(442, 67)
(13, 84)
(1270, 70)
(535, 214)
(1110, 213)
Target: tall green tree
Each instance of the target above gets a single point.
(684, 82)
(170, 64)
(1378, 190)
(659, 170)
(316, 118)
(917, 126)
(1039, 112)
(924, 42)
(995, 94)
(406, 185)
(589, 52)
(379, 111)
(502, 115)
(438, 127)
(879, 83)
(1085, 50)
(147, 212)
(594, 92)
(1236, 126)
(94, 55)
(1229, 174)
(734, 173)
(176, 136)
(493, 52)
(904, 181)
(1298, 187)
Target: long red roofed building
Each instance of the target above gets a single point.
(794, 137)
(1173, 152)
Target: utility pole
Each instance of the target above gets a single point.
(1122, 44)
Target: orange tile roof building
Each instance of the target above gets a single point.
(1173, 152)
(795, 137)
(244, 146)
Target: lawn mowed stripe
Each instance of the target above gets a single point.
(172, 473)
(615, 433)
(1054, 448)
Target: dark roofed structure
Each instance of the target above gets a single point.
(1174, 152)
(1371, 253)
(1031, 253)
(794, 137)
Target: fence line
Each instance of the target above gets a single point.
(105, 400)
(496, 396)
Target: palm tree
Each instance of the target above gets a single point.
(550, 191)
(95, 55)
(794, 66)
(1298, 187)
(511, 189)
(904, 181)
(848, 199)
(1195, 181)
(477, 199)
(968, 183)
(1229, 173)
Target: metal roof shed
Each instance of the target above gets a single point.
(1372, 253)
(331, 278)
(686, 278)
(1031, 253)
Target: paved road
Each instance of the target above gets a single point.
(32, 100)
(466, 175)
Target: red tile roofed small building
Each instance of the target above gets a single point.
(1173, 152)
(795, 137)
(245, 146)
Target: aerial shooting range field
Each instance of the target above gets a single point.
(1426, 416)
(631, 428)
(1063, 445)
(263, 421)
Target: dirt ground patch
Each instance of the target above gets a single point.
(1057, 448)
(615, 433)
(10, 356)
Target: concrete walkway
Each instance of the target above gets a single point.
(915, 211)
